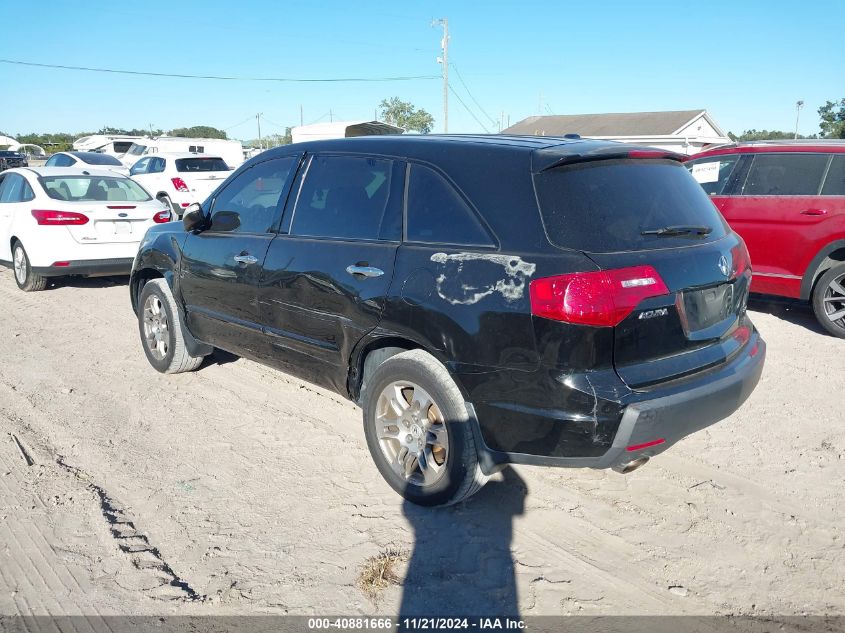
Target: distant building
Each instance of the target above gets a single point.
(341, 129)
(683, 131)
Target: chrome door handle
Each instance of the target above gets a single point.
(366, 271)
(245, 259)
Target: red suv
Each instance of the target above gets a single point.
(787, 201)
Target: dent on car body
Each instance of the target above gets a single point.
(454, 267)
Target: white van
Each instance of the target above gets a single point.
(103, 144)
(230, 151)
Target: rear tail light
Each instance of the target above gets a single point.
(740, 261)
(161, 217)
(61, 264)
(179, 184)
(58, 218)
(601, 299)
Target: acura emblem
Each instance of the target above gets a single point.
(724, 267)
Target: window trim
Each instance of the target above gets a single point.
(274, 227)
(494, 242)
(302, 175)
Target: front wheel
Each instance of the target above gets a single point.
(161, 330)
(27, 280)
(829, 300)
(418, 431)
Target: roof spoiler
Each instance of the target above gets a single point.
(551, 159)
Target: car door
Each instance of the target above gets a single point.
(776, 210)
(15, 196)
(325, 278)
(221, 264)
(6, 182)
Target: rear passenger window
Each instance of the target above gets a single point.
(785, 175)
(438, 214)
(348, 197)
(834, 184)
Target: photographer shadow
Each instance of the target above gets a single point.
(461, 564)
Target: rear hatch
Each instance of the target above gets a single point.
(99, 209)
(676, 275)
(202, 174)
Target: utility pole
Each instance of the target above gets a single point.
(444, 61)
(300, 115)
(331, 116)
(258, 120)
(151, 130)
(798, 106)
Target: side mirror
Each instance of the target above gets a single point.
(193, 219)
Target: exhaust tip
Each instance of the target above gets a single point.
(629, 467)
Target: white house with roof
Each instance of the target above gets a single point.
(683, 131)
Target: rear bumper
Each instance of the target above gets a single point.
(88, 268)
(668, 415)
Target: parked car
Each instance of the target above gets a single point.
(230, 151)
(9, 159)
(81, 159)
(180, 179)
(485, 299)
(787, 201)
(58, 221)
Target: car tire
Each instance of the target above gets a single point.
(174, 213)
(27, 280)
(161, 330)
(829, 300)
(432, 418)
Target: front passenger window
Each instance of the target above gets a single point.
(250, 203)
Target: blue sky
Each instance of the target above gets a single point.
(746, 62)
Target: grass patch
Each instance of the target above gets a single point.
(378, 572)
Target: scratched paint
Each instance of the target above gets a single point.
(460, 270)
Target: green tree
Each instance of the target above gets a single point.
(761, 135)
(273, 140)
(832, 116)
(199, 131)
(405, 115)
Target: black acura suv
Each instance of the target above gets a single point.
(485, 299)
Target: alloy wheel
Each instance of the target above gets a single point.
(156, 332)
(834, 301)
(20, 265)
(412, 433)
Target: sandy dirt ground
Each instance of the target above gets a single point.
(238, 489)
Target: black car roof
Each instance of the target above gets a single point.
(542, 150)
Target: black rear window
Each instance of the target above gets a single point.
(201, 164)
(99, 159)
(604, 206)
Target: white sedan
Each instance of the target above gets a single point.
(179, 179)
(57, 221)
(81, 159)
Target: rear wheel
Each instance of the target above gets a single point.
(161, 330)
(418, 431)
(829, 300)
(27, 280)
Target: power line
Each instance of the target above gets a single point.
(232, 127)
(463, 83)
(461, 101)
(220, 77)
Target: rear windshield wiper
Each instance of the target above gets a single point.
(670, 231)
